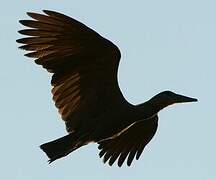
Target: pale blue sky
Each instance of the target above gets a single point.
(165, 45)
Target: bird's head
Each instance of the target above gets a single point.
(167, 98)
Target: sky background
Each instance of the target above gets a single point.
(165, 45)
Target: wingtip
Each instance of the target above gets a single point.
(100, 146)
(32, 14)
(50, 161)
(120, 164)
(104, 160)
(21, 32)
(45, 10)
(28, 55)
(48, 12)
(110, 164)
(21, 21)
(29, 13)
(21, 47)
(24, 22)
(20, 40)
(129, 163)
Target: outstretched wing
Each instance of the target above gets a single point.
(130, 143)
(84, 64)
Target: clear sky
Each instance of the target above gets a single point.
(165, 45)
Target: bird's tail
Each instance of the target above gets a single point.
(61, 147)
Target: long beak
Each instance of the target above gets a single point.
(182, 99)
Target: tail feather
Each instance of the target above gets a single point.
(60, 147)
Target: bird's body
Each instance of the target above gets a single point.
(86, 91)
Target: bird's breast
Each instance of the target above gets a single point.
(110, 125)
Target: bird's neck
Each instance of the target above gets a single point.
(150, 108)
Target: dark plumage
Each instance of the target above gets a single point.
(86, 92)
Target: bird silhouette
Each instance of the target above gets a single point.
(86, 92)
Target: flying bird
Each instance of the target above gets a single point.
(86, 91)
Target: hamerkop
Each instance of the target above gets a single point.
(86, 91)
